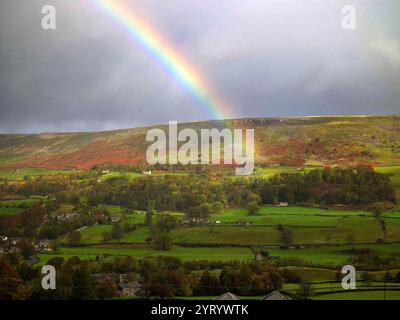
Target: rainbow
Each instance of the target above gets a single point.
(162, 52)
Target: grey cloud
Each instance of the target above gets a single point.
(265, 58)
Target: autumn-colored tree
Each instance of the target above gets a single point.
(106, 289)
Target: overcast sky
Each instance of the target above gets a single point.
(263, 57)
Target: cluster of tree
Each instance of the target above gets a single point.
(372, 261)
(168, 277)
(208, 194)
(286, 234)
(74, 278)
(139, 168)
(197, 197)
(160, 231)
(159, 277)
(163, 277)
(74, 281)
(40, 222)
(118, 230)
(243, 279)
(25, 223)
(359, 185)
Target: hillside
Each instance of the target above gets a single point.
(373, 140)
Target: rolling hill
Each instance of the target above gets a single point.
(333, 140)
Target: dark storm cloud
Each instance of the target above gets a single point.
(265, 58)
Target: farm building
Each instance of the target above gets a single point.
(43, 245)
(259, 256)
(276, 295)
(191, 220)
(227, 296)
(130, 289)
(115, 219)
(65, 213)
(111, 276)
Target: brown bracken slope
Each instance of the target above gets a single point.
(336, 140)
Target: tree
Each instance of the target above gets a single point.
(75, 238)
(290, 276)
(305, 290)
(377, 209)
(55, 246)
(388, 276)
(163, 241)
(253, 207)
(83, 201)
(366, 276)
(287, 235)
(208, 285)
(217, 207)
(26, 248)
(157, 286)
(350, 239)
(56, 262)
(165, 223)
(149, 217)
(205, 209)
(165, 277)
(160, 232)
(117, 231)
(106, 289)
(106, 236)
(12, 286)
(82, 284)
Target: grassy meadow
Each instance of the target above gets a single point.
(20, 174)
(321, 238)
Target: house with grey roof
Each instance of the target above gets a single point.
(227, 296)
(276, 295)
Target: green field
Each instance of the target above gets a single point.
(320, 241)
(10, 211)
(308, 226)
(227, 235)
(21, 173)
(113, 175)
(141, 251)
(132, 216)
(21, 203)
(267, 172)
(132, 175)
(360, 295)
(326, 255)
(138, 235)
(295, 216)
(94, 234)
(166, 173)
(393, 171)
